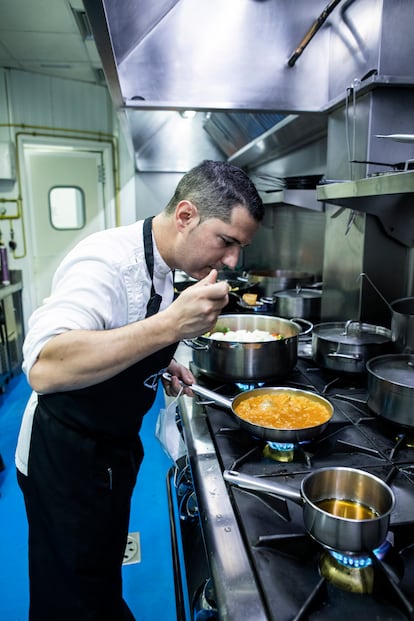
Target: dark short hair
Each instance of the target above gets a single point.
(215, 188)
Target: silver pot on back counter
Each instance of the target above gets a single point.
(269, 281)
(299, 302)
(233, 361)
(347, 346)
(391, 388)
(402, 324)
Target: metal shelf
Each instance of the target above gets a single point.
(389, 197)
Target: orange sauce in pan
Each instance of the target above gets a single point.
(282, 411)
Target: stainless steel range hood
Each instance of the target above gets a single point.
(211, 54)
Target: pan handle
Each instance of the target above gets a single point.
(259, 485)
(205, 392)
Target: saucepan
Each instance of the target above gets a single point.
(270, 433)
(346, 347)
(344, 509)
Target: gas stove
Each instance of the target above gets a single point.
(257, 548)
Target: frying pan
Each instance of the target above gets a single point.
(347, 492)
(271, 434)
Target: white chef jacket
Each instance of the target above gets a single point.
(103, 283)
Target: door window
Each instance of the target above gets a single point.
(67, 207)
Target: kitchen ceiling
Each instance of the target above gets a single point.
(49, 37)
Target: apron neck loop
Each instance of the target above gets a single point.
(155, 300)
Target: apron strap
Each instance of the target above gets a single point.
(155, 300)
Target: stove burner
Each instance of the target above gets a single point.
(351, 572)
(279, 451)
(344, 576)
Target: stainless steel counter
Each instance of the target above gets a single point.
(235, 585)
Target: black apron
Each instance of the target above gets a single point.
(84, 458)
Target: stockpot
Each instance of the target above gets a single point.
(402, 324)
(347, 346)
(391, 388)
(234, 361)
(299, 302)
(339, 486)
(402, 320)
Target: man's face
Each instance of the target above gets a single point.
(214, 243)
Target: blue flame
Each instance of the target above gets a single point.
(359, 562)
(281, 446)
(251, 386)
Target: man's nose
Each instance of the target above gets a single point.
(231, 257)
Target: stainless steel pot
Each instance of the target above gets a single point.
(338, 489)
(270, 281)
(402, 324)
(391, 388)
(271, 434)
(233, 361)
(347, 347)
(300, 302)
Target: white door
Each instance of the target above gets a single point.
(66, 203)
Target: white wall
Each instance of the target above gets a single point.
(47, 106)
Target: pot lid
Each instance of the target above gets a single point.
(394, 368)
(299, 293)
(352, 332)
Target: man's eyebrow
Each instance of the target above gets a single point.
(233, 240)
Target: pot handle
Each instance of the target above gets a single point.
(194, 344)
(204, 392)
(307, 323)
(257, 484)
(346, 356)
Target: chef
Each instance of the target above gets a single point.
(93, 354)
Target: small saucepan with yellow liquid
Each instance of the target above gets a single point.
(344, 509)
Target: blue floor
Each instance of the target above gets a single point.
(148, 585)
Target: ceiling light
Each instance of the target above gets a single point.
(188, 114)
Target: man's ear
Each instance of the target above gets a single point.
(186, 213)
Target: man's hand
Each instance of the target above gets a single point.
(181, 380)
(198, 306)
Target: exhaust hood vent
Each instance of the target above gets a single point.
(232, 130)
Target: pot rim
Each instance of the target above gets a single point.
(352, 471)
(257, 317)
(302, 293)
(402, 302)
(387, 362)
